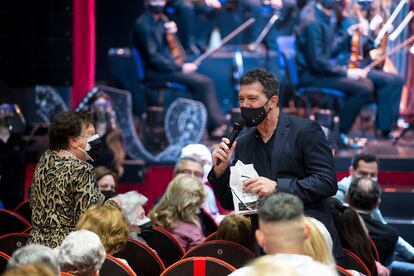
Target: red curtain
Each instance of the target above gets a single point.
(83, 49)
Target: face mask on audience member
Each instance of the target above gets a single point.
(254, 116)
(156, 6)
(108, 194)
(95, 146)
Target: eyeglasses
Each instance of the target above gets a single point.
(197, 174)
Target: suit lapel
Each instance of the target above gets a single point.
(282, 131)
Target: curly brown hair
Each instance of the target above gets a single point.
(108, 223)
(67, 124)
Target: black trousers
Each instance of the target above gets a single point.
(379, 86)
(201, 87)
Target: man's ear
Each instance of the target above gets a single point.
(260, 237)
(378, 202)
(351, 171)
(275, 100)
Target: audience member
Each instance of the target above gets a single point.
(30, 269)
(282, 233)
(81, 253)
(109, 224)
(35, 254)
(64, 185)
(177, 210)
(353, 234)
(367, 165)
(364, 196)
(107, 181)
(319, 243)
(131, 205)
(113, 151)
(193, 165)
(236, 229)
(268, 266)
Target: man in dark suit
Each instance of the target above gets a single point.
(364, 196)
(290, 154)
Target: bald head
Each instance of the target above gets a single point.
(364, 194)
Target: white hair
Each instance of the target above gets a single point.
(35, 254)
(81, 253)
(128, 203)
(201, 152)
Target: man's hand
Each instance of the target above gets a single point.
(170, 27)
(356, 73)
(189, 68)
(260, 185)
(224, 154)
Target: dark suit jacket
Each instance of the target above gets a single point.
(384, 237)
(302, 164)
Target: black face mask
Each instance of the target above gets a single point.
(96, 147)
(108, 194)
(147, 227)
(156, 9)
(254, 116)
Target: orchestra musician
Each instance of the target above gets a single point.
(318, 45)
(153, 35)
(387, 84)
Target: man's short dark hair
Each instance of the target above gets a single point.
(269, 82)
(279, 207)
(364, 193)
(366, 157)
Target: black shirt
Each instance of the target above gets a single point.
(263, 156)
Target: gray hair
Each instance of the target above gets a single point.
(35, 254)
(128, 203)
(81, 253)
(180, 161)
(279, 207)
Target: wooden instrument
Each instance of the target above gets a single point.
(394, 50)
(174, 45)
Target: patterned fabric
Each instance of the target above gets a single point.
(62, 189)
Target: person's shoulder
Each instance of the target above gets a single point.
(299, 121)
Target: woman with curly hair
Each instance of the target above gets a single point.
(109, 224)
(177, 210)
(64, 184)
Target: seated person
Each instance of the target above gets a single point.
(236, 229)
(354, 236)
(193, 165)
(109, 224)
(81, 253)
(112, 154)
(163, 61)
(177, 210)
(131, 205)
(107, 181)
(30, 269)
(319, 243)
(35, 254)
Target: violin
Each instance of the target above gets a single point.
(174, 45)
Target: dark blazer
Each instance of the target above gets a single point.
(384, 237)
(302, 164)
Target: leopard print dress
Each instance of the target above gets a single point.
(62, 189)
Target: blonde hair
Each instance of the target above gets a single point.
(317, 244)
(30, 269)
(268, 266)
(108, 223)
(184, 195)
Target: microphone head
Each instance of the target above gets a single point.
(239, 124)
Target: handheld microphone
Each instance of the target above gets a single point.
(237, 128)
